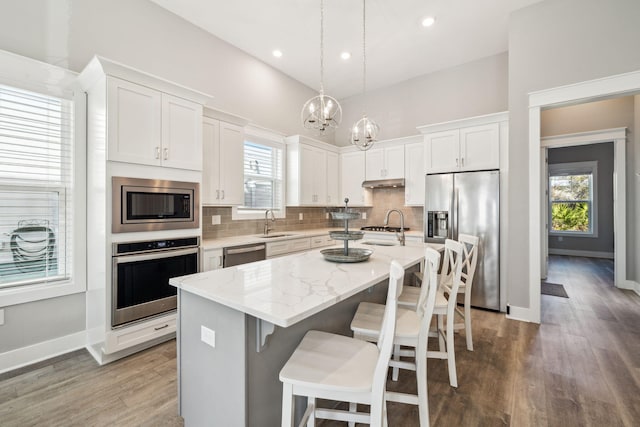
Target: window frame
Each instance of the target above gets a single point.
(271, 139)
(575, 168)
(32, 75)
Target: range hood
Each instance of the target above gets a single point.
(383, 183)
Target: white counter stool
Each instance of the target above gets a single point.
(412, 330)
(336, 367)
(409, 296)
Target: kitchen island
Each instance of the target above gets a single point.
(238, 326)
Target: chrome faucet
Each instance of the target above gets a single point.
(386, 222)
(266, 220)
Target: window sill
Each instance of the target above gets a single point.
(236, 215)
(30, 293)
(572, 234)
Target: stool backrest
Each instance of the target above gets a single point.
(385, 339)
(469, 258)
(427, 298)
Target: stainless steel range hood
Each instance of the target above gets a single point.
(384, 183)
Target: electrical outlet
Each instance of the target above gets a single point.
(364, 215)
(1, 316)
(208, 336)
(326, 215)
(300, 216)
(215, 219)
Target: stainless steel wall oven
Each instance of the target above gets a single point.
(141, 273)
(153, 204)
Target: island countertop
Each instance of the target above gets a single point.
(286, 290)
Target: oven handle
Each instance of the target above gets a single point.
(154, 255)
(245, 250)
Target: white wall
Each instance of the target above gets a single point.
(555, 43)
(472, 89)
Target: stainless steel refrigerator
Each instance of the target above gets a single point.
(468, 203)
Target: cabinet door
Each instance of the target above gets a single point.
(211, 259)
(181, 133)
(333, 179)
(307, 158)
(352, 173)
(414, 174)
(374, 164)
(442, 151)
(480, 147)
(210, 166)
(231, 163)
(394, 162)
(133, 123)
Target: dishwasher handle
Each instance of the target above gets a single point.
(245, 250)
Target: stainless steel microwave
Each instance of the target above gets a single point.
(153, 204)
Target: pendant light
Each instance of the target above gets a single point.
(365, 131)
(322, 113)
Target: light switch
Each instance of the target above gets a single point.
(208, 336)
(215, 219)
(300, 216)
(364, 215)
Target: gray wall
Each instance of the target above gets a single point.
(554, 43)
(603, 154)
(472, 89)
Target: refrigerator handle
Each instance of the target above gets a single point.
(454, 212)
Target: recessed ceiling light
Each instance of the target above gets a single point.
(345, 55)
(277, 53)
(428, 21)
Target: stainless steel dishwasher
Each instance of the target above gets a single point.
(236, 255)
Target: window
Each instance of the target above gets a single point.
(572, 189)
(36, 164)
(263, 177)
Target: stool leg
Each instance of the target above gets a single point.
(353, 407)
(451, 353)
(440, 328)
(421, 379)
(287, 405)
(396, 356)
(311, 422)
(467, 325)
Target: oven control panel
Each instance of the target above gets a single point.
(154, 245)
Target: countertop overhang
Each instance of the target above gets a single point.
(286, 290)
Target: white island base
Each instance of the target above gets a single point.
(258, 314)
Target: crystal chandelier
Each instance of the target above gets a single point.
(365, 131)
(322, 113)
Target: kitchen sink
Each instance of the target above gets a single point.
(379, 243)
(271, 236)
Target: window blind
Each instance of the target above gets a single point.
(36, 168)
(263, 170)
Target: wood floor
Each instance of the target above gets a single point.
(580, 367)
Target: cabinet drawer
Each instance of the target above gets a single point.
(287, 246)
(139, 333)
(320, 241)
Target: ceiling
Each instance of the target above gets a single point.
(398, 46)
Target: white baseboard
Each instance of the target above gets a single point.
(24, 356)
(631, 285)
(522, 314)
(588, 254)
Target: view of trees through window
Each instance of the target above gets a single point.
(571, 202)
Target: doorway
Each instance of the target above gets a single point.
(620, 85)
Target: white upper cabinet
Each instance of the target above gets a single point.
(311, 173)
(384, 163)
(415, 171)
(223, 155)
(352, 174)
(464, 145)
(149, 127)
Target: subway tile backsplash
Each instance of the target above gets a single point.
(383, 200)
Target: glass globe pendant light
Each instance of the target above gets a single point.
(322, 113)
(365, 131)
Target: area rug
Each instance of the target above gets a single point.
(554, 289)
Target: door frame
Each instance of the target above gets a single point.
(612, 86)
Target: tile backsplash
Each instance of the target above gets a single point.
(383, 199)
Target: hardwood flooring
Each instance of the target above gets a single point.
(580, 367)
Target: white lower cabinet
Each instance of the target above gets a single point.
(139, 333)
(320, 241)
(285, 247)
(211, 259)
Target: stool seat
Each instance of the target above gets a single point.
(332, 362)
(368, 319)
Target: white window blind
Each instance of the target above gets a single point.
(36, 167)
(263, 171)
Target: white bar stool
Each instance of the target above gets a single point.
(336, 367)
(412, 330)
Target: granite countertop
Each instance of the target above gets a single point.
(226, 242)
(288, 289)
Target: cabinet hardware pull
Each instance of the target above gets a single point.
(222, 194)
(157, 152)
(161, 327)
(166, 153)
(457, 162)
(462, 159)
(217, 194)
